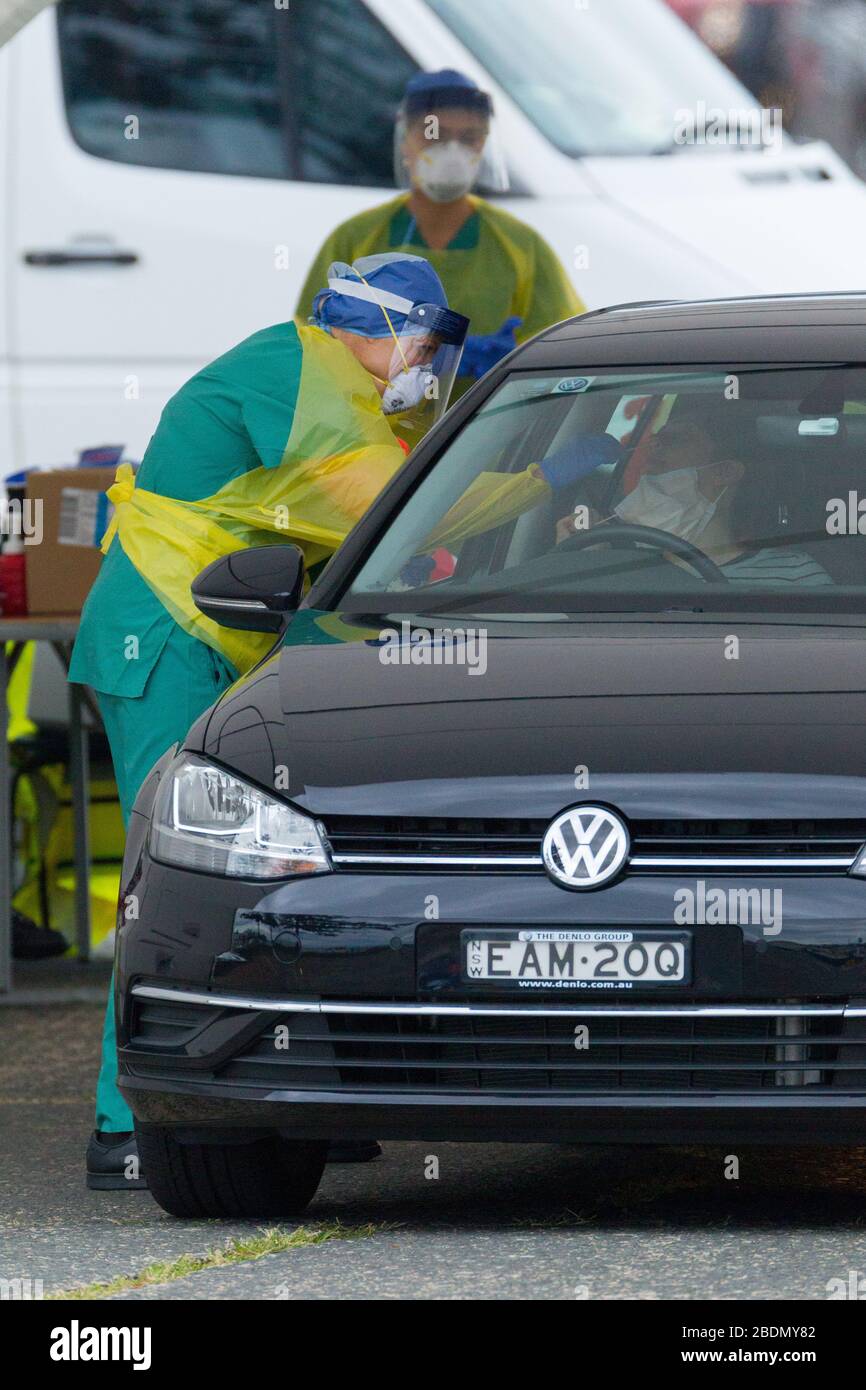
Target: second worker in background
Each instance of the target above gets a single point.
(497, 271)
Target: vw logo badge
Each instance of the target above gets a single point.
(585, 847)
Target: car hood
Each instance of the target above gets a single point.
(666, 719)
(808, 207)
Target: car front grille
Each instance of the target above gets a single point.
(454, 845)
(400, 1047)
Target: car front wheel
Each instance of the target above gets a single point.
(244, 1176)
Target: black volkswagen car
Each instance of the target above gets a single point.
(545, 816)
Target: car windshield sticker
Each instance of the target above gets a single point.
(571, 385)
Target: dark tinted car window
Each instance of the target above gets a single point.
(234, 86)
(761, 472)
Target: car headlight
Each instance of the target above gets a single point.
(205, 818)
(859, 866)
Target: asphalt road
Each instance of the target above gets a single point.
(499, 1222)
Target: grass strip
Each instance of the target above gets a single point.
(236, 1250)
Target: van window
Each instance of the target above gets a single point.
(189, 86)
(302, 91)
(348, 77)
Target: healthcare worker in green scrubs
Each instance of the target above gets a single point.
(285, 437)
(496, 270)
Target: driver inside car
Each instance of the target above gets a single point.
(692, 494)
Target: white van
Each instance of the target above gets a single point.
(169, 167)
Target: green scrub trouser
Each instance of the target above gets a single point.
(187, 678)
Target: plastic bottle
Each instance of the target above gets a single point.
(13, 589)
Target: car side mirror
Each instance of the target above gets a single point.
(257, 589)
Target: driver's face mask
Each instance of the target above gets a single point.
(670, 502)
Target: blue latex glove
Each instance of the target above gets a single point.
(481, 351)
(418, 570)
(580, 458)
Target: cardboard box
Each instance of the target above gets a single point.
(75, 515)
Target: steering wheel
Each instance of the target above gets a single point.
(625, 534)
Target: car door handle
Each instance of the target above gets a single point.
(50, 259)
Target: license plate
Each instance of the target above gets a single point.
(573, 959)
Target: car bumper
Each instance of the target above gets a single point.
(321, 1069)
(668, 1119)
(766, 1042)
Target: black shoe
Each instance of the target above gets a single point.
(361, 1151)
(113, 1164)
(32, 942)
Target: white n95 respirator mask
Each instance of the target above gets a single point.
(408, 389)
(446, 172)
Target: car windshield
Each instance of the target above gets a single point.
(691, 490)
(607, 78)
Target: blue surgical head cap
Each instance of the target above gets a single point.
(434, 91)
(410, 278)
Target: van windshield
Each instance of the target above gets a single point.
(696, 490)
(605, 77)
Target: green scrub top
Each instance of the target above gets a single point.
(495, 268)
(234, 415)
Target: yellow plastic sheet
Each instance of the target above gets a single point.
(491, 500)
(338, 457)
(45, 842)
(18, 693)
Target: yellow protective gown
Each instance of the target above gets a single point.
(496, 267)
(339, 454)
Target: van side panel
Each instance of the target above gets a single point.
(7, 459)
(209, 259)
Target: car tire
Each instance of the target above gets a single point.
(247, 1177)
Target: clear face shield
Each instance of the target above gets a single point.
(447, 152)
(424, 364)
